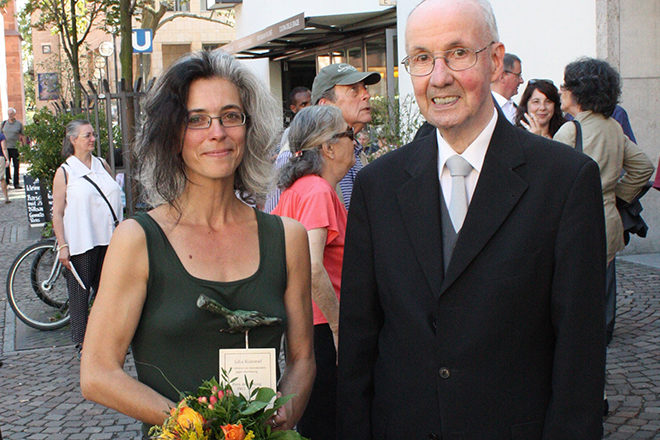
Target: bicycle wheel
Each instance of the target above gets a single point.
(44, 273)
(34, 265)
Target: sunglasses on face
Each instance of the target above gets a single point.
(349, 133)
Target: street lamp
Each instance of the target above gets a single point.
(99, 63)
(106, 49)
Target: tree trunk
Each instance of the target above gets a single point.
(126, 56)
(77, 94)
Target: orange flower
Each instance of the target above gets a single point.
(188, 418)
(233, 432)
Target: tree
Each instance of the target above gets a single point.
(24, 27)
(151, 15)
(72, 20)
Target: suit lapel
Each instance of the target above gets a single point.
(419, 202)
(498, 190)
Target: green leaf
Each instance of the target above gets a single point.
(265, 394)
(254, 407)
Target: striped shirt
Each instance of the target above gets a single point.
(345, 184)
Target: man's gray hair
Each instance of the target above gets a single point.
(509, 60)
(488, 16)
(11, 110)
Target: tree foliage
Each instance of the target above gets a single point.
(72, 20)
(46, 134)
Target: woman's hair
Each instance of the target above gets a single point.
(594, 84)
(161, 170)
(546, 87)
(312, 127)
(72, 130)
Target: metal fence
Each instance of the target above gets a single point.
(116, 106)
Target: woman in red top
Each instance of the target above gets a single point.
(322, 153)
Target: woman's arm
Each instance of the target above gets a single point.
(300, 369)
(107, 167)
(639, 169)
(112, 323)
(5, 153)
(59, 203)
(323, 293)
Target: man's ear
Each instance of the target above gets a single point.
(323, 101)
(497, 62)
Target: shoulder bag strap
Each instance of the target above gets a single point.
(578, 135)
(114, 216)
(66, 176)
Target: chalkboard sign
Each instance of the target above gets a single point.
(35, 207)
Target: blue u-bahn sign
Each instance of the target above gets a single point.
(143, 40)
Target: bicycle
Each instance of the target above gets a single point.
(36, 287)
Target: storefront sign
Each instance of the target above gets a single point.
(285, 27)
(36, 211)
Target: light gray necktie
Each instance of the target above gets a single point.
(458, 168)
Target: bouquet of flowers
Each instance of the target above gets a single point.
(215, 412)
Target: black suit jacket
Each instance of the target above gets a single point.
(509, 342)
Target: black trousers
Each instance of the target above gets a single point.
(13, 155)
(88, 266)
(320, 418)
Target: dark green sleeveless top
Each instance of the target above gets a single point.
(181, 340)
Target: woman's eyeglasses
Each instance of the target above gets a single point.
(200, 121)
(349, 133)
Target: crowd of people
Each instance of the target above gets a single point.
(462, 285)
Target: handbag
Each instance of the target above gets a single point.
(630, 213)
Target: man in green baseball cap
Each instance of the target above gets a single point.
(344, 86)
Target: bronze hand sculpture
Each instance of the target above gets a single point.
(239, 321)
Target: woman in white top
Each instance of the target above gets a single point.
(83, 220)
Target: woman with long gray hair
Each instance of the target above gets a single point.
(86, 208)
(322, 153)
(203, 157)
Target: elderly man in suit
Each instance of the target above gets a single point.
(474, 266)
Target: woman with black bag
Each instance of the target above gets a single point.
(86, 209)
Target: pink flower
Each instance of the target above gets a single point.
(213, 400)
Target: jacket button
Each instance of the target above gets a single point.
(444, 373)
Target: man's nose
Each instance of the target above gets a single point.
(441, 74)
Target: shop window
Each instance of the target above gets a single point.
(355, 58)
(338, 56)
(322, 61)
(376, 62)
(182, 5)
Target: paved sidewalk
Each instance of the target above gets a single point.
(40, 394)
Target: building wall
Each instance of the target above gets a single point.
(547, 37)
(629, 38)
(254, 15)
(48, 55)
(12, 76)
(173, 37)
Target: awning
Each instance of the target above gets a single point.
(300, 34)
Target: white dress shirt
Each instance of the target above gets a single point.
(507, 105)
(475, 154)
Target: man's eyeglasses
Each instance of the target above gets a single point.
(200, 121)
(349, 133)
(458, 59)
(519, 75)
